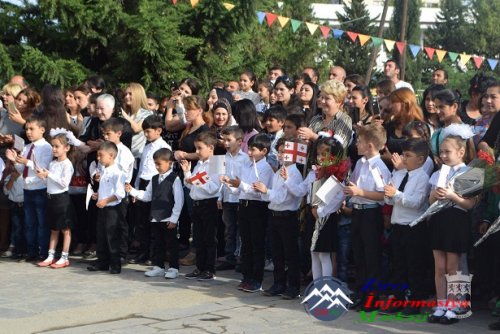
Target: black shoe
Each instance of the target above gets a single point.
(275, 290)
(115, 270)
(194, 275)
(123, 261)
(140, 258)
(148, 263)
(447, 321)
(290, 293)
(224, 266)
(206, 276)
(97, 267)
(237, 268)
(434, 319)
(408, 311)
(31, 258)
(182, 247)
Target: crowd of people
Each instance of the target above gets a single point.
(124, 176)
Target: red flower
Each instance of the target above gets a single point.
(488, 159)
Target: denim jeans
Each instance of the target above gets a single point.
(344, 235)
(37, 232)
(18, 238)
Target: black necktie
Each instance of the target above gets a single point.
(403, 183)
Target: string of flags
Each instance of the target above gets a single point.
(326, 32)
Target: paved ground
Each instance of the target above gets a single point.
(73, 300)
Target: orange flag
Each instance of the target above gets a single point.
(478, 61)
(440, 54)
(352, 35)
(283, 20)
(363, 39)
(401, 47)
(430, 52)
(270, 17)
(325, 31)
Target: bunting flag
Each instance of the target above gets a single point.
(464, 58)
(194, 3)
(312, 27)
(389, 44)
(228, 6)
(429, 52)
(261, 16)
(337, 33)
(270, 17)
(478, 61)
(453, 55)
(174, 2)
(295, 24)
(414, 49)
(376, 41)
(493, 63)
(352, 35)
(363, 39)
(283, 20)
(401, 47)
(440, 55)
(325, 31)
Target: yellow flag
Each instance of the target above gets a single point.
(389, 44)
(440, 54)
(464, 58)
(194, 2)
(228, 6)
(363, 39)
(312, 27)
(283, 20)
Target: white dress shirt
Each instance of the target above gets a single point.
(16, 193)
(147, 195)
(454, 172)
(125, 161)
(248, 177)
(205, 191)
(112, 183)
(147, 167)
(42, 155)
(363, 178)
(412, 202)
(280, 197)
(138, 139)
(233, 166)
(428, 166)
(59, 178)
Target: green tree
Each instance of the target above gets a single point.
(351, 55)
(485, 35)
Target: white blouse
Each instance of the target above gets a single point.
(59, 178)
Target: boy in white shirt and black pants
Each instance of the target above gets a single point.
(283, 220)
(408, 192)
(204, 190)
(110, 215)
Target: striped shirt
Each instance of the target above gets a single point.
(340, 125)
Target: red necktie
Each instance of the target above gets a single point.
(25, 170)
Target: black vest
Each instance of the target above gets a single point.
(162, 199)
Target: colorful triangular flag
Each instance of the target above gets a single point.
(228, 6)
(464, 59)
(363, 39)
(270, 17)
(429, 52)
(325, 31)
(493, 63)
(194, 3)
(440, 55)
(352, 35)
(389, 44)
(453, 55)
(261, 16)
(401, 47)
(295, 24)
(337, 33)
(312, 27)
(376, 41)
(478, 61)
(283, 20)
(174, 2)
(414, 49)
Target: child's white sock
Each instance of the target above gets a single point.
(441, 308)
(64, 258)
(50, 257)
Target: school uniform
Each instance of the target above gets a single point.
(204, 216)
(450, 228)
(283, 220)
(367, 221)
(252, 219)
(409, 243)
(167, 198)
(60, 212)
(16, 212)
(125, 161)
(110, 218)
(230, 203)
(39, 155)
(146, 171)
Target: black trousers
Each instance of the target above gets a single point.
(165, 240)
(79, 232)
(366, 228)
(284, 234)
(252, 222)
(125, 230)
(110, 221)
(205, 232)
(409, 258)
(143, 223)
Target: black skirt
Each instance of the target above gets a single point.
(451, 231)
(327, 239)
(60, 213)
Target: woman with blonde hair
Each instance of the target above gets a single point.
(9, 93)
(135, 105)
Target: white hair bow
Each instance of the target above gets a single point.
(69, 135)
(463, 131)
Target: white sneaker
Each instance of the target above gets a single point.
(172, 273)
(269, 265)
(155, 272)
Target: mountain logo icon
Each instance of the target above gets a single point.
(326, 298)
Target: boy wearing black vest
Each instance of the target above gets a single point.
(167, 197)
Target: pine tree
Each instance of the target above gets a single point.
(485, 35)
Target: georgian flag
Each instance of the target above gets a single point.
(295, 152)
(200, 179)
